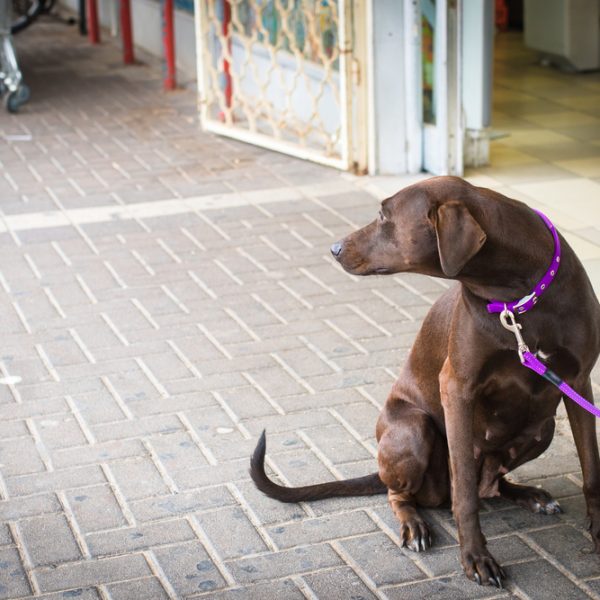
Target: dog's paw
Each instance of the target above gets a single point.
(594, 529)
(545, 507)
(481, 567)
(536, 500)
(415, 534)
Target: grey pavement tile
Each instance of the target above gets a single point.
(539, 579)
(138, 478)
(15, 509)
(270, 590)
(444, 588)
(314, 531)
(132, 539)
(20, 456)
(49, 540)
(95, 508)
(91, 572)
(147, 587)
(189, 569)
(13, 581)
(570, 548)
(25, 485)
(219, 525)
(282, 563)
(337, 584)
(5, 536)
(169, 506)
(385, 562)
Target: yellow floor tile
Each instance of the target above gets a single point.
(586, 167)
(562, 119)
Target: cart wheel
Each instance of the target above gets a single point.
(13, 100)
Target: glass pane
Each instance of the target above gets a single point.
(428, 57)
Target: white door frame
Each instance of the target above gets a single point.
(441, 149)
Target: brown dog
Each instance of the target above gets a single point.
(463, 393)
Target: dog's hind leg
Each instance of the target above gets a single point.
(534, 499)
(410, 467)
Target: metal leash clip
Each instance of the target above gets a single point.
(507, 318)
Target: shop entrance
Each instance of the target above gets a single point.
(546, 115)
(281, 74)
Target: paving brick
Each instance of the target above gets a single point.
(177, 451)
(49, 540)
(98, 407)
(103, 452)
(212, 475)
(385, 562)
(20, 456)
(311, 531)
(63, 479)
(569, 547)
(85, 573)
(131, 539)
(337, 444)
(331, 397)
(148, 587)
(138, 478)
(60, 432)
(5, 536)
(189, 569)
(81, 593)
(539, 579)
(95, 508)
(220, 525)
(15, 509)
(138, 427)
(444, 588)
(271, 590)
(280, 564)
(340, 583)
(13, 581)
(168, 506)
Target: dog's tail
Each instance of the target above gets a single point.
(359, 486)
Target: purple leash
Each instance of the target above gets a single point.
(507, 318)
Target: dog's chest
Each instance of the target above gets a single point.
(514, 418)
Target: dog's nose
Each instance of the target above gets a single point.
(336, 249)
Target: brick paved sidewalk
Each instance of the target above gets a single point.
(165, 296)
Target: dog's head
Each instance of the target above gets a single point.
(421, 229)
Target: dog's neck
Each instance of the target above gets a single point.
(522, 247)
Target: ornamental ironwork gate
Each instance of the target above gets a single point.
(278, 73)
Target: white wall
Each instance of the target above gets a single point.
(147, 29)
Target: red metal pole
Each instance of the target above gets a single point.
(126, 35)
(226, 66)
(169, 44)
(93, 27)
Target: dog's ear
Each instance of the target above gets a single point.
(459, 236)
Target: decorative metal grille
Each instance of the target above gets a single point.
(274, 73)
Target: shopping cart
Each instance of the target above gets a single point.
(12, 89)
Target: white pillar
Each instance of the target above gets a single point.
(477, 66)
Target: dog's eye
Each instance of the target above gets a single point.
(381, 216)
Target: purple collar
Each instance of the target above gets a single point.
(527, 302)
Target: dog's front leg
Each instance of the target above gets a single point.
(457, 400)
(583, 425)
